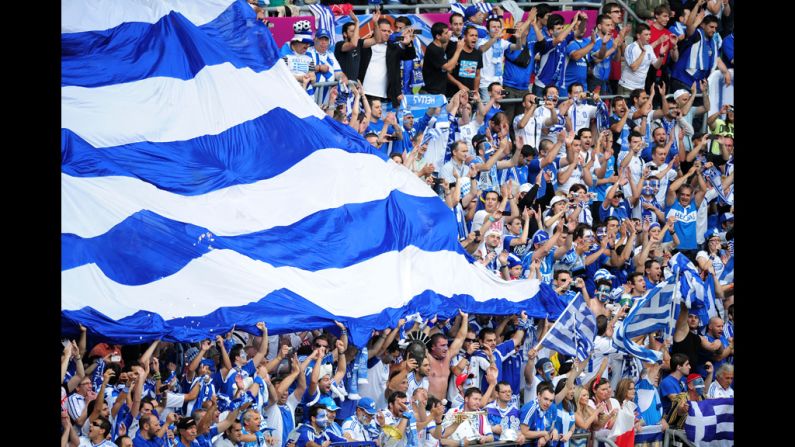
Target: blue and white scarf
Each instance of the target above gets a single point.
(703, 54)
(96, 377)
(712, 175)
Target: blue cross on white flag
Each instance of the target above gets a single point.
(574, 332)
(711, 420)
(653, 312)
(698, 294)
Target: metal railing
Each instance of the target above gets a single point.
(679, 435)
(628, 9)
(435, 7)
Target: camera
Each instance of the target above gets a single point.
(731, 109)
(392, 137)
(539, 101)
(652, 168)
(504, 93)
(471, 94)
(589, 95)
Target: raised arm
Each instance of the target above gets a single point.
(342, 362)
(460, 336)
(138, 390)
(350, 46)
(263, 346)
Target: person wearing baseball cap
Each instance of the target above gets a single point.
(186, 432)
(327, 68)
(331, 410)
(546, 252)
(355, 428)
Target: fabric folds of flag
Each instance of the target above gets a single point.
(202, 189)
(711, 420)
(653, 312)
(698, 294)
(324, 19)
(623, 433)
(574, 331)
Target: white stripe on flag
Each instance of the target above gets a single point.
(145, 110)
(237, 209)
(196, 288)
(95, 15)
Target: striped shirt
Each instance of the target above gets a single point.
(75, 404)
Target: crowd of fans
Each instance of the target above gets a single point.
(589, 195)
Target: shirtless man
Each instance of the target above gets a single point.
(440, 355)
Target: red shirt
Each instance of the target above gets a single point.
(656, 34)
(615, 64)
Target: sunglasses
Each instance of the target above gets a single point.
(471, 340)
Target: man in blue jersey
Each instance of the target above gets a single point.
(673, 384)
(538, 417)
(492, 353)
(602, 53)
(553, 52)
(313, 433)
(698, 53)
(546, 251)
(388, 130)
(576, 61)
(519, 68)
(683, 202)
(503, 413)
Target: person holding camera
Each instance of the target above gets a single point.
(388, 129)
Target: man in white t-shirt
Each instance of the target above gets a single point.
(527, 125)
(637, 58)
(721, 387)
(631, 159)
(493, 50)
(661, 170)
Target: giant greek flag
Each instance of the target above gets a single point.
(202, 188)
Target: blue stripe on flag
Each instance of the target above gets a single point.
(211, 162)
(138, 48)
(133, 251)
(285, 311)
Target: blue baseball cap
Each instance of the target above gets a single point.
(653, 225)
(712, 233)
(322, 32)
(367, 405)
(513, 260)
(328, 403)
(470, 11)
(726, 217)
(540, 237)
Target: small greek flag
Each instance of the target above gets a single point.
(710, 420)
(574, 331)
(651, 313)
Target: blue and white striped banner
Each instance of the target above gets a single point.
(202, 188)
